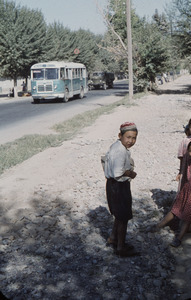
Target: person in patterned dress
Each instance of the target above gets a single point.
(182, 150)
(181, 207)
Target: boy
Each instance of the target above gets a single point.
(118, 169)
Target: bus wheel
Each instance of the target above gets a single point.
(66, 96)
(36, 101)
(81, 95)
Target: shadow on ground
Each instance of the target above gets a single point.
(165, 200)
(52, 251)
(184, 89)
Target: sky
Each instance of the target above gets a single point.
(76, 14)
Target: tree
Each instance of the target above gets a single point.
(150, 55)
(181, 29)
(104, 60)
(60, 42)
(85, 42)
(32, 39)
(165, 24)
(22, 39)
(77, 46)
(161, 22)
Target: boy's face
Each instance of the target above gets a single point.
(128, 139)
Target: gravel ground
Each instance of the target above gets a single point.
(55, 222)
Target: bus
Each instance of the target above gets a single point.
(58, 80)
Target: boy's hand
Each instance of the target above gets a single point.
(132, 174)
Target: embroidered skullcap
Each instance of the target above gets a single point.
(127, 126)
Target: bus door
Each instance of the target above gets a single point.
(84, 78)
(74, 77)
(70, 80)
(81, 77)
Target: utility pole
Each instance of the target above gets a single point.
(129, 40)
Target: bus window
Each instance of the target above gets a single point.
(75, 73)
(70, 73)
(51, 73)
(62, 73)
(67, 76)
(84, 73)
(38, 74)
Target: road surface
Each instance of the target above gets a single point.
(19, 117)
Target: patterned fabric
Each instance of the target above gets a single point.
(183, 146)
(182, 205)
(185, 170)
(127, 126)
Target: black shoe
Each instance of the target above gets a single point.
(175, 243)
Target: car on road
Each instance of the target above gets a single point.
(101, 79)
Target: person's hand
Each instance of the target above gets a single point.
(132, 174)
(178, 177)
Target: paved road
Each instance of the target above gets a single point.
(20, 116)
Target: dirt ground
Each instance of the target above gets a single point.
(54, 168)
(159, 118)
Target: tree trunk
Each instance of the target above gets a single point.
(15, 87)
(26, 84)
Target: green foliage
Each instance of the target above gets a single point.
(181, 25)
(162, 23)
(16, 152)
(25, 39)
(32, 39)
(117, 17)
(63, 43)
(104, 60)
(151, 55)
(149, 41)
(158, 45)
(84, 41)
(22, 39)
(60, 42)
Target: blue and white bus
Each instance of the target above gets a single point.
(58, 80)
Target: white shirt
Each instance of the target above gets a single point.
(117, 161)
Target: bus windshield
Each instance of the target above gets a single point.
(40, 74)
